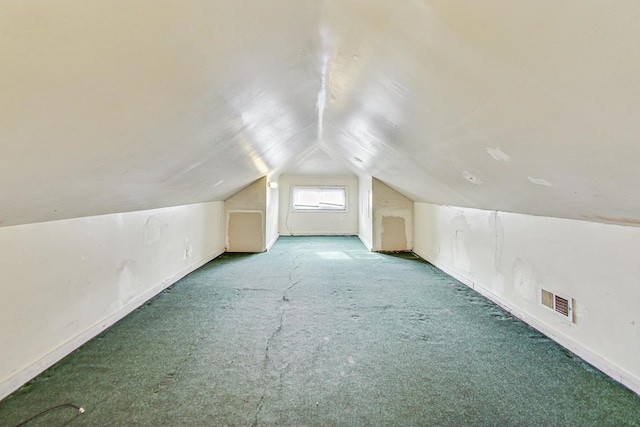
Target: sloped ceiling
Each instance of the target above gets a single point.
(514, 105)
(319, 163)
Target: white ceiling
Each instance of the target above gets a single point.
(319, 163)
(514, 105)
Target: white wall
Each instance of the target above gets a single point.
(508, 257)
(272, 209)
(318, 223)
(392, 219)
(63, 282)
(365, 211)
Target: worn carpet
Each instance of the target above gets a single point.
(319, 331)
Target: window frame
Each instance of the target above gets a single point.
(294, 188)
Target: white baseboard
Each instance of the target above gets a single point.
(21, 377)
(273, 241)
(366, 244)
(617, 373)
(319, 233)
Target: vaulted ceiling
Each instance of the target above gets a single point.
(514, 105)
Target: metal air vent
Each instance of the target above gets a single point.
(561, 304)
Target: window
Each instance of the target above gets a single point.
(319, 198)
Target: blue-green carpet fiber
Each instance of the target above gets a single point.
(319, 331)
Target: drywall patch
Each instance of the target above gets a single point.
(245, 231)
(539, 181)
(525, 283)
(471, 178)
(394, 234)
(188, 249)
(126, 281)
(461, 252)
(187, 252)
(498, 154)
(495, 224)
(152, 230)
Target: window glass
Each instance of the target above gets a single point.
(319, 198)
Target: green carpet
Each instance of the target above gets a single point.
(319, 331)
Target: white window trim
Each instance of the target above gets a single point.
(292, 208)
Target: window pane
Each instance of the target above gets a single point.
(319, 198)
(332, 198)
(309, 198)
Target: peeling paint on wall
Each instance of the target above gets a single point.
(595, 264)
(471, 178)
(496, 225)
(539, 181)
(126, 281)
(525, 284)
(498, 154)
(152, 231)
(97, 268)
(462, 259)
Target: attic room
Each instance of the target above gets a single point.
(397, 174)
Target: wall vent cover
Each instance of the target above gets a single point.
(561, 304)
